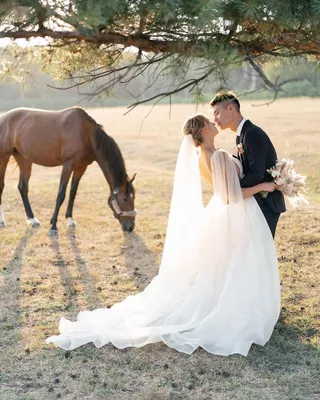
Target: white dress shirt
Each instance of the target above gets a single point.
(240, 126)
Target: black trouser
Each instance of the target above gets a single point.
(270, 216)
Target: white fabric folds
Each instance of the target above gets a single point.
(218, 284)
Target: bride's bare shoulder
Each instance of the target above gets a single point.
(205, 157)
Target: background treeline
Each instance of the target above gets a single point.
(24, 84)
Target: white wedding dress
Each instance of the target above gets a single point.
(218, 285)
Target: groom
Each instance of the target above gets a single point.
(255, 150)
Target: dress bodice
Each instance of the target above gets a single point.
(207, 174)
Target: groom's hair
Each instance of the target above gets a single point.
(227, 97)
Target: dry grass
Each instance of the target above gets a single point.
(96, 265)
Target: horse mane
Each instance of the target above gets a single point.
(87, 116)
(112, 153)
(110, 150)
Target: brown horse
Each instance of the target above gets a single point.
(70, 138)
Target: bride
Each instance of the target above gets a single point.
(218, 284)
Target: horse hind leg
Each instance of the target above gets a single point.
(4, 159)
(25, 167)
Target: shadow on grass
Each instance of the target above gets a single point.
(66, 278)
(91, 291)
(11, 292)
(289, 348)
(139, 259)
(67, 281)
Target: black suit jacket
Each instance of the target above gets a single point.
(258, 156)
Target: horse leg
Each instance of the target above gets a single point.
(77, 175)
(65, 176)
(3, 166)
(23, 186)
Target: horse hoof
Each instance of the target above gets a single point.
(71, 223)
(34, 222)
(53, 232)
(2, 224)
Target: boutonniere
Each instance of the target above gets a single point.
(240, 148)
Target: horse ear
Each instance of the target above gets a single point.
(133, 178)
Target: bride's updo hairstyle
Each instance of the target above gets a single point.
(193, 126)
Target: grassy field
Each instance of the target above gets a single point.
(96, 265)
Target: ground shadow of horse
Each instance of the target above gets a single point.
(11, 312)
(140, 261)
(90, 291)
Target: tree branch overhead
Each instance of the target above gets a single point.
(220, 33)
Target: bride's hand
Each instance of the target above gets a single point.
(268, 186)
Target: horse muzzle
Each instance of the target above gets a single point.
(127, 226)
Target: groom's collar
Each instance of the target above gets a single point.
(240, 126)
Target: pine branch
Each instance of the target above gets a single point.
(191, 84)
(178, 46)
